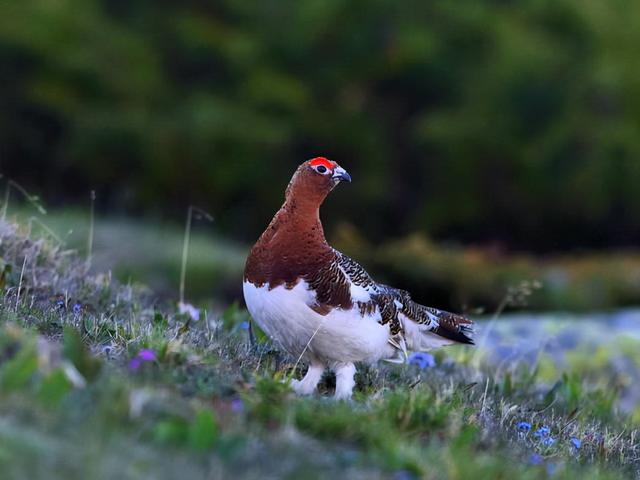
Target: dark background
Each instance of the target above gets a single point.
(509, 125)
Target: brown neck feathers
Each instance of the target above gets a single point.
(293, 246)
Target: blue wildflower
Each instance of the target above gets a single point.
(60, 303)
(244, 326)
(524, 426)
(535, 459)
(576, 442)
(542, 432)
(403, 475)
(547, 442)
(422, 360)
(77, 308)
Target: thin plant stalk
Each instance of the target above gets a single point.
(304, 350)
(185, 253)
(515, 296)
(44, 226)
(5, 204)
(32, 199)
(488, 328)
(91, 229)
(186, 243)
(24, 264)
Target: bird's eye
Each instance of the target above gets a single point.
(321, 169)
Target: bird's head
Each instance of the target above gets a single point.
(315, 178)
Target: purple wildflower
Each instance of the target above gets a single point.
(524, 426)
(576, 442)
(237, 405)
(77, 308)
(144, 355)
(147, 355)
(422, 360)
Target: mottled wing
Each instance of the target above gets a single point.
(346, 284)
(396, 306)
(334, 286)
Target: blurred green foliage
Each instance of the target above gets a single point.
(475, 277)
(480, 120)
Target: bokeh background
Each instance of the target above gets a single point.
(493, 144)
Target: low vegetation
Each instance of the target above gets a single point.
(101, 380)
(454, 277)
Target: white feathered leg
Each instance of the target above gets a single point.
(344, 380)
(308, 384)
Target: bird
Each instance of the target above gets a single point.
(322, 307)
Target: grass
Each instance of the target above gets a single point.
(469, 279)
(151, 253)
(101, 380)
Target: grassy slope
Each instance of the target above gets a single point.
(140, 253)
(468, 277)
(214, 404)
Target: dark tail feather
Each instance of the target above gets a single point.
(461, 336)
(454, 327)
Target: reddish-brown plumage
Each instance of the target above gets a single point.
(293, 246)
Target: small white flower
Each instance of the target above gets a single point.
(190, 310)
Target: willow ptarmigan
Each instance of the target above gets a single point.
(318, 304)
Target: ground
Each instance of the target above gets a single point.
(101, 380)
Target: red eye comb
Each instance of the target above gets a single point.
(323, 161)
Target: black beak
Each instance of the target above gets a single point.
(340, 174)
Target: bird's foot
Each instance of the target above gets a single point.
(302, 388)
(308, 384)
(345, 381)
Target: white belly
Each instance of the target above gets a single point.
(340, 336)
